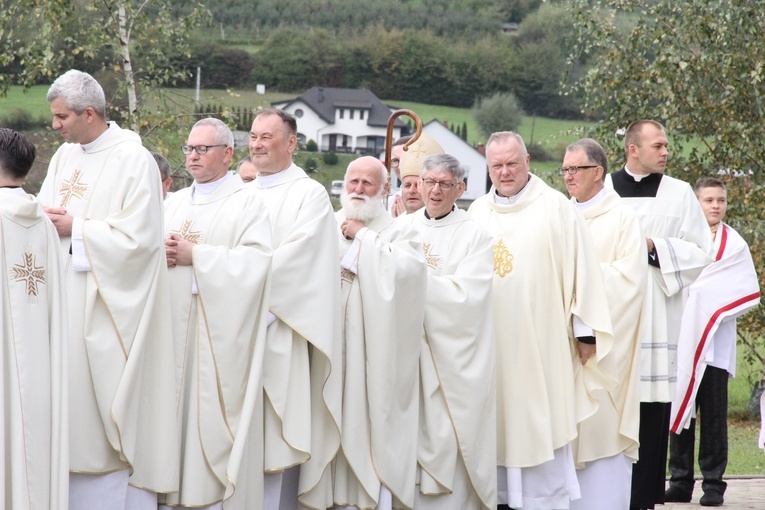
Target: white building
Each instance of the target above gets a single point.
(473, 161)
(341, 120)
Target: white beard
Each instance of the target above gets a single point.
(364, 211)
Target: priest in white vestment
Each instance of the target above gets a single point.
(706, 352)
(457, 447)
(383, 278)
(302, 377)
(677, 247)
(218, 245)
(33, 389)
(607, 444)
(552, 328)
(104, 196)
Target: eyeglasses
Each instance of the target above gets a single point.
(574, 169)
(445, 186)
(201, 149)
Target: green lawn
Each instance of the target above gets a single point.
(32, 100)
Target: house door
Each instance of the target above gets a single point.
(332, 143)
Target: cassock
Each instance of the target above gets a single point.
(726, 289)
(607, 443)
(33, 389)
(122, 405)
(457, 448)
(220, 306)
(384, 279)
(302, 377)
(545, 272)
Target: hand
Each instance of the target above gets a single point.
(178, 251)
(397, 207)
(649, 243)
(60, 219)
(586, 351)
(350, 228)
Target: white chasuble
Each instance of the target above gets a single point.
(726, 289)
(457, 369)
(674, 221)
(302, 377)
(219, 335)
(620, 245)
(33, 389)
(122, 405)
(545, 271)
(381, 364)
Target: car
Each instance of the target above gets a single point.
(337, 188)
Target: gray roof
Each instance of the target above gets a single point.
(324, 101)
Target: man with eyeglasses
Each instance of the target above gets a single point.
(396, 150)
(302, 373)
(677, 246)
(457, 449)
(104, 196)
(607, 443)
(218, 247)
(409, 199)
(383, 295)
(552, 328)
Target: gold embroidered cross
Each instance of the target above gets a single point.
(30, 273)
(432, 259)
(72, 188)
(503, 259)
(185, 232)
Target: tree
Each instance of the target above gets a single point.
(697, 67)
(499, 112)
(464, 131)
(134, 38)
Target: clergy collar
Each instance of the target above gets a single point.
(207, 188)
(103, 136)
(636, 177)
(440, 217)
(13, 190)
(499, 199)
(266, 181)
(599, 196)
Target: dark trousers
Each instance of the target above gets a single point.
(649, 473)
(712, 415)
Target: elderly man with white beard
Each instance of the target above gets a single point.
(383, 276)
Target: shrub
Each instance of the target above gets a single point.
(330, 158)
(311, 165)
(21, 120)
(311, 146)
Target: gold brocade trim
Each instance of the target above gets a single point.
(347, 276)
(72, 188)
(433, 260)
(503, 259)
(186, 232)
(30, 273)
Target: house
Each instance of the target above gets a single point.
(473, 161)
(341, 120)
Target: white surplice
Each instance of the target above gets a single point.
(33, 389)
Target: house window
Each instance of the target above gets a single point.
(298, 113)
(341, 113)
(351, 114)
(361, 114)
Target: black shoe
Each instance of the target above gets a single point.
(677, 495)
(711, 498)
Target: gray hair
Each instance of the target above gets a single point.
(446, 162)
(80, 90)
(223, 133)
(501, 136)
(163, 164)
(593, 152)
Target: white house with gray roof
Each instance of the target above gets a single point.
(341, 120)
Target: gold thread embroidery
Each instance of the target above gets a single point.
(72, 188)
(503, 259)
(30, 273)
(432, 259)
(185, 232)
(346, 276)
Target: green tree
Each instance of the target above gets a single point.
(464, 131)
(499, 112)
(697, 67)
(130, 38)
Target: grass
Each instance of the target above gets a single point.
(32, 100)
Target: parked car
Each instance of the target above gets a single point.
(337, 188)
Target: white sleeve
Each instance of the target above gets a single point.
(80, 260)
(350, 261)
